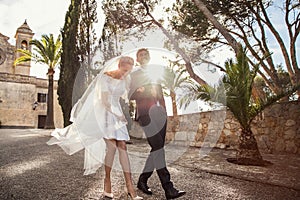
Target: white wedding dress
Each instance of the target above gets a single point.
(92, 122)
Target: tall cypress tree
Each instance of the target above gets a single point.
(87, 36)
(69, 59)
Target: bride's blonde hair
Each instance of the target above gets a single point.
(126, 60)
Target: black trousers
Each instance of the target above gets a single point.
(154, 126)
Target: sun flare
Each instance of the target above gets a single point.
(155, 73)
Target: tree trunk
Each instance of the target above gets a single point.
(180, 51)
(231, 41)
(248, 148)
(50, 114)
(248, 152)
(175, 118)
(174, 105)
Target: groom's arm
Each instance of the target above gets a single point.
(139, 86)
(143, 92)
(160, 95)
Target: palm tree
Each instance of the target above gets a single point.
(173, 79)
(238, 83)
(235, 92)
(48, 51)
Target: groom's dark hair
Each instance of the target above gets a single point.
(140, 50)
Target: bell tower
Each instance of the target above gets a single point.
(23, 36)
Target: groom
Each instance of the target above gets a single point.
(152, 117)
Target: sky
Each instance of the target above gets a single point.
(42, 16)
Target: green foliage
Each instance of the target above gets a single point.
(175, 77)
(246, 22)
(262, 90)
(69, 59)
(194, 92)
(189, 20)
(128, 17)
(235, 91)
(79, 47)
(26, 57)
(238, 87)
(238, 84)
(45, 51)
(109, 43)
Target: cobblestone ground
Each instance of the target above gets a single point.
(30, 169)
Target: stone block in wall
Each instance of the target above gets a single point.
(290, 122)
(200, 135)
(279, 145)
(208, 145)
(291, 147)
(293, 108)
(185, 136)
(212, 137)
(204, 120)
(232, 140)
(186, 124)
(222, 138)
(170, 136)
(228, 120)
(270, 122)
(227, 132)
(196, 144)
(273, 111)
(290, 133)
(297, 142)
(200, 126)
(221, 146)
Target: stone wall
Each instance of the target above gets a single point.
(17, 95)
(277, 129)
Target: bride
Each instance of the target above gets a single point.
(99, 126)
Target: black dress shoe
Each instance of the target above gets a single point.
(144, 187)
(173, 193)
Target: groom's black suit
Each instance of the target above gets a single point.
(152, 117)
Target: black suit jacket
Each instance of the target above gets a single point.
(144, 100)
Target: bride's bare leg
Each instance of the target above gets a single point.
(124, 160)
(109, 159)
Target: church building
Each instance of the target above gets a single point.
(23, 98)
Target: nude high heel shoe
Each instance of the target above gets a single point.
(108, 195)
(134, 198)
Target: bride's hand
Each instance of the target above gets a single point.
(141, 89)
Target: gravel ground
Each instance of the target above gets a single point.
(30, 169)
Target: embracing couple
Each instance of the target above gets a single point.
(99, 125)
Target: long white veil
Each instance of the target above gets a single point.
(88, 126)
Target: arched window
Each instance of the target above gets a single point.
(24, 45)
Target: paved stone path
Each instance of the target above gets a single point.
(30, 169)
